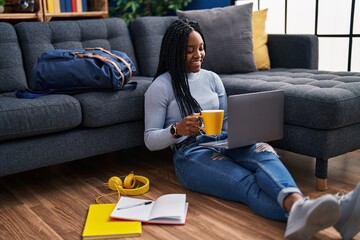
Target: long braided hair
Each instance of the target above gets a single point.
(173, 59)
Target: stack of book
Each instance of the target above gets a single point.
(61, 6)
(124, 219)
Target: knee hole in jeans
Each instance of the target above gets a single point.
(264, 147)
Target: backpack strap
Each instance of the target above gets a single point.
(30, 94)
(115, 56)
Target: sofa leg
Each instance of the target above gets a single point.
(321, 170)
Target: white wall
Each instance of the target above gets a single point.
(333, 20)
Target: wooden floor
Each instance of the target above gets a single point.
(52, 203)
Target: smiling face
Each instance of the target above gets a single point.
(195, 52)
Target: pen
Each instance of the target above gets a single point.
(134, 205)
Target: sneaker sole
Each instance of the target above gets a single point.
(350, 229)
(315, 221)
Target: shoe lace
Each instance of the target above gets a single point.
(341, 196)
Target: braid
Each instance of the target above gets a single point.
(173, 59)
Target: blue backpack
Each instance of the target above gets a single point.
(77, 71)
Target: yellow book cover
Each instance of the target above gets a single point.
(50, 6)
(99, 225)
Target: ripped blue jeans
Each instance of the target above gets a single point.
(252, 175)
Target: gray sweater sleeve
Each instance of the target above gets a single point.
(161, 109)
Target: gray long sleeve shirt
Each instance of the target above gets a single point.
(161, 109)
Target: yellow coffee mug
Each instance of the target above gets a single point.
(212, 121)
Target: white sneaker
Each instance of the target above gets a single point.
(348, 224)
(307, 217)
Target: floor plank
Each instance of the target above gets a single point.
(52, 202)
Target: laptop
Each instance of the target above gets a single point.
(253, 117)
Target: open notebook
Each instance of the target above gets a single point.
(166, 209)
(253, 117)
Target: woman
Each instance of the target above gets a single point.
(253, 175)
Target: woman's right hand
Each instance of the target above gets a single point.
(189, 125)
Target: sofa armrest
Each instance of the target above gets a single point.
(293, 51)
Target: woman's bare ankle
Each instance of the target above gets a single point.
(290, 200)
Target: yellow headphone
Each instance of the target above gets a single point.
(127, 186)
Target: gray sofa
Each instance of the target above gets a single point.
(322, 108)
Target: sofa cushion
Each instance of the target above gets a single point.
(31, 117)
(12, 74)
(313, 98)
(38, 37)
(260, 38)
(147, 34)
(228, 37)
(106, 108)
